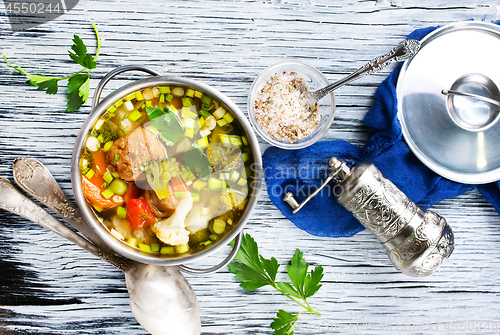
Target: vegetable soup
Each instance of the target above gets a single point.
(167, 170)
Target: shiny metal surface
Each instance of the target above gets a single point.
(413, 239)
(473, 102)
(123, 248)
(315, 80)
(417, 242)
(159, 296)
(461, 154)
(401, 52)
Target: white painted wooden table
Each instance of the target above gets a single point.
(48, 286)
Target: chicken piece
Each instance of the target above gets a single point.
(162, 208)
(172, 231)
(130, 151)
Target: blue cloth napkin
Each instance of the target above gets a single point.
(302, 171)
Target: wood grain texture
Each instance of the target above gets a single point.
(48, 286)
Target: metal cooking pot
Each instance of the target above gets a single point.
(98, 108)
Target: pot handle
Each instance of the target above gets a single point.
(213, 269)
(115, 72)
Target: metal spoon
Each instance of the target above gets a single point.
(161, 299)
(471, 95)
(403, 51)
(469, 112)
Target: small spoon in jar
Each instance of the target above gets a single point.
(161, 299)
(403, 51)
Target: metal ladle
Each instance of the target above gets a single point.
(473, 101)
(161, 299)
(403, 51)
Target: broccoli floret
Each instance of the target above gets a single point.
(158, 173)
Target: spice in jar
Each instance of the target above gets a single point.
(283, 111)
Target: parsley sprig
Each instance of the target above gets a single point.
(255, 271)
(78, 83)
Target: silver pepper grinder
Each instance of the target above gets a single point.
(417, 242)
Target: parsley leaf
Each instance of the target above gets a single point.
(80, 56)
(255, 271)
(284, 322)
(196, 160)
(168, 126)
(78, 83)
(297, 271)
(154, 112)
(74, 101)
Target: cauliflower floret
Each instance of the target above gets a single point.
(172, 230)
(121, 225)
(196, 220)
(145, 235)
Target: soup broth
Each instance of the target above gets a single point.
(166, 170)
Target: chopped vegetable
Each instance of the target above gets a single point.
(132, 241)
(203, 142)
(107, 146)
(153, 113)
(108, 177)
(133, 192)
(93, 194)
(135, 115)
(167, 250)
(139, 214)
(189, 92)
(198, 161)
(169, 127)
(214, 184)
(228, 118)
(181, 249)
(199, 184)
(139, 96)
(121, 212)
(210, 122)
(158, 174)
(219, 113)
(118, 186)
(178, 91)
(255, 271)
(172, 230)
(164, 89)
(244, 140)
(180, 195)
(144, 247)
(92, 144)
(155, 247)
(107, 193)
(219, 226)
(177, 185)
(78, 83)
(90, 173)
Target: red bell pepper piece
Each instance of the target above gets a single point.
(139, 214)
(133, 192)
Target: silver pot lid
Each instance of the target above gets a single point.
(454, 135)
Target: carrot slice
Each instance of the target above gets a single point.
(178, 185)
(99, 162)
(93, 194)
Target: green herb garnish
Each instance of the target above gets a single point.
(169, 128)
(196, 160)
(255, 271)
(154, 112)
(78, 83)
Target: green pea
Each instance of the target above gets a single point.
(118, 186)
